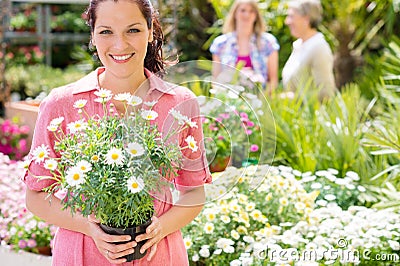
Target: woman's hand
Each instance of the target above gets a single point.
(107, 244)
(154, 233)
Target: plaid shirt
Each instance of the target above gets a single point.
(226, 48)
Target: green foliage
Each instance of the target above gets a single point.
(24, 21)
(391, 65)
(384, 137)
(30, 81)
(312, 136)
(69, 22)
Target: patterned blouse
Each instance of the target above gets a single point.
(226, 48)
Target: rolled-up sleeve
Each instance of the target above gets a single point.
(194, 171)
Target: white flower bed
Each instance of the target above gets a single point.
(264, 216)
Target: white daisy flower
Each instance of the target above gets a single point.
(52, 128)
(75, 176)
(135, 101)
(149, 114)
(150, 104)
(135, 149)
(123, 97)
(103, 93)
(209, 228)
(77, 126)
(84, 165)
(182, 119)
(79, 104)
(235, 235)
(284, 201)
(95, 158)
(40, 153)
(191, 124)
(192, 143)
(225, 219)
(188, 242)
(204, 252)
(50, 164)
(210, 216)
(135, 185)
(115, 157)
(57, 121)
(256, 215)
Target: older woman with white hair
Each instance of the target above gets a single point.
(311, 60)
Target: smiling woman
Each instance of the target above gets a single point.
(128, 40)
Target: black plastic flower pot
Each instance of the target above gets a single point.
(133, 232)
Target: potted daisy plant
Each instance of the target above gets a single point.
(112, 165)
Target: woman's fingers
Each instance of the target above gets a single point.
(152, 252)
(153, 235)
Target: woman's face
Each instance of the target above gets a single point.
(121, 36)
(245, 15)
(297, 23)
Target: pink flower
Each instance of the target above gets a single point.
(249, 131)
(22, 244)
(244, 115)
(24, 129)
(254, 148)
(31, 243)
(250, 123)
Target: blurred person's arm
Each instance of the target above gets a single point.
(216, 66)
(273, 64)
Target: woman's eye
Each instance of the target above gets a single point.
(133, 30)
(105, 32)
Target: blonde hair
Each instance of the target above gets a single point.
(310, 8)
(230, 22)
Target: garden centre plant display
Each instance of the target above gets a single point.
(19, 229)
(230, 124)
(13, 138)
(241, 213)
(253, 215)
(113, 166)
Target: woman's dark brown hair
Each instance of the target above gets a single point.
(154, 57)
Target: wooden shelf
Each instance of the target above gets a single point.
(33, 37)
(53, 1)
(43, 35)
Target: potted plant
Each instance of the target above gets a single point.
(13, 138)
(231, 128)
(111, 166)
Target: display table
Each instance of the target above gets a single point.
(22, 258)
(27, 112)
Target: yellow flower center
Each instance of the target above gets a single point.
(133, 151)
(135, 185)
(41, 154)
(114, 156)
(95, 158)
(76, 177)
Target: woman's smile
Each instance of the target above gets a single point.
(122, 58)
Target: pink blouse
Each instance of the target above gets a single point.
(73, 248)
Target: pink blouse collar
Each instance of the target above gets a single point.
(91, 82)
